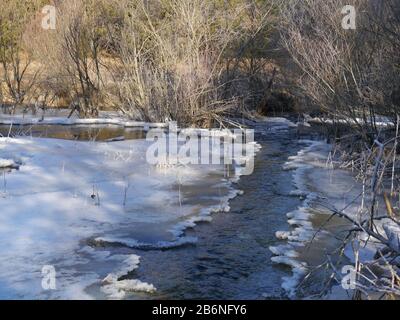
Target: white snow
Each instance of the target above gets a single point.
(380, 121)
(7, 163)
(316, 181)
(313, 179)
(132, 243)
(119, 289)
(115, 288)
(66, 192)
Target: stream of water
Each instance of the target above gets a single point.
(231, 260)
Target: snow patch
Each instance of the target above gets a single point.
(115, 288)
(7, 163)
(68, 191)
(134, 244)
(299, 219)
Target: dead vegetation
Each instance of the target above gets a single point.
(353, 75)
(195, 62)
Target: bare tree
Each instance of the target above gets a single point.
(346, 72)
(16, 58)
(74, 55)
(183, 60)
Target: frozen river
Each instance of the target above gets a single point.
(113, 227)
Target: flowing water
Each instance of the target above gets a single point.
(231, 260)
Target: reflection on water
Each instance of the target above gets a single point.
(4, 172)
(79, 133)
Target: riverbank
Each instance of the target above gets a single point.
(329, 232)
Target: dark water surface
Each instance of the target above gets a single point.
(74, 132)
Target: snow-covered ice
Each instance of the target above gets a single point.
(7, 163)
(315, 181)
(69, 194)
(115, 288)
